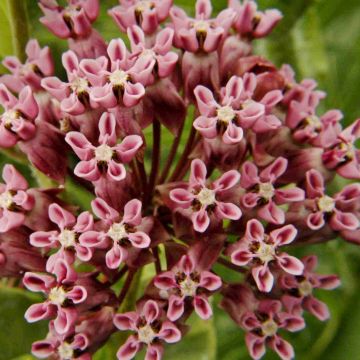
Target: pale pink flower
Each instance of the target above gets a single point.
(202, 200)
(150, 331)
(338, 211)
(17, 121)
(263, 193)
(108, 157)
(15, 201)
(185, 280)
(120, 233)
(148, 14)
(300, 289)
(260, 251)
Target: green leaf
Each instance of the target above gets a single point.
(16, 334)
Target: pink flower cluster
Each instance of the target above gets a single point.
(253, 179)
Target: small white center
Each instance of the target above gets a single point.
(103, 153)
(57, 295)
(118, 78)
(265, 253)
(117, 232)
(65, 351)
(201, 26)
(266, 190)
(349, 148)
(144, 5)
(326, 204)
(269, 328)
(6, 200)
(79, 85)
(206, 197)
(226, 114)
(146, 334)
(314, 122)
(67, 238)
(305, 288)
(188, 287)
(9, 116)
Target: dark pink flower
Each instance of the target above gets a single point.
(62, 347)
(15, 200)
(165, 60)
(343, 156)
(185, 281)
(108, 157)
(72, 21)
(201, 200)
(300, 289)
(263, 325)
(39, 63)
(17, 122)
(150, 330)
(236, 109)
(263, 193)
(74, 94)
(338, 211)
(62, 296)
(147, 14)
(120, 234)
(201, 33)
(123, 83)
(249, 22)
(65, 240)
(260, 250)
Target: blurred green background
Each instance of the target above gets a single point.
(320, 39)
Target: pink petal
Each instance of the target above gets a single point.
(38, 282)
(205, 101)
(254, 230)
(197, 173)
(206, 126)
(126, 321)
(115, 256)
(43, 238)
(282, 348)
(202, 307)
(169, 333)
(227, 181)
(284, 196)
(133, 94)
(80, 144)
(60, 216)
(104, 211)
(181, 197)
(116, 171)
(316, 220)
(132, 212)
(249, 175)
(87, 170)
(284, 235)
(129, 349)
(314, 184)
(233, 90)
(241, 257)
(263, 278)
(233, 134)
(139, 239)
(151, 311)
(55, 87)
(316, 308)
(176, 308)
(64, 272)
(107, 126)
(154, 352)
(203, 9)
(165, 280)
(344, 221)
(13, 179)
(275, 170)
(200, 220)
(77, 294)
(65, 320)
(255, 345)
(210, 281)
(70, 62)
(290, 264)
(92, 239)
(227, 211)
(272, 213)
(129, 147)
(84, 222)
(104, 96)
(43, 349)
(38, 312)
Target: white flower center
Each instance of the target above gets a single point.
(146, 334)
(305, 288)
(9, 116)
(103, 153)
(265, 253)
(65, 351)
(117, 232)
(57, 295)
(6, 200)
(266, 190)
(206, 197)
(201, 26)
(326, 204)
(188, 287)
(144, 5)
(269, 328)
(79, 85)
(118, 78)
(349, 148)
(67, 238)
(314, 122)
(226, 114)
